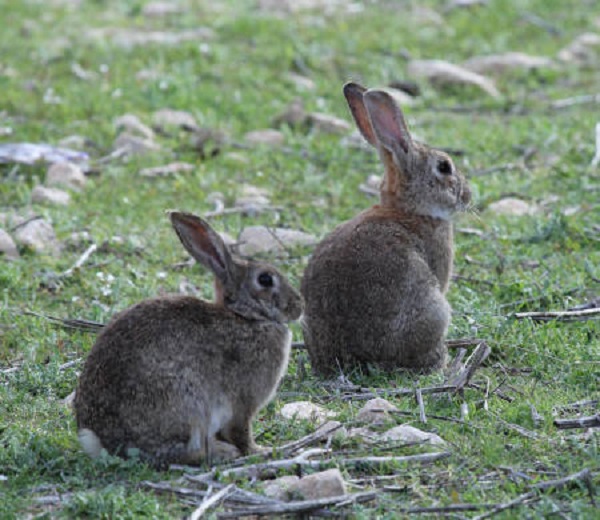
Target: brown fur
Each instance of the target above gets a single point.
(374, 288)
(180, 379)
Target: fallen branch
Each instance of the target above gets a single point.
(421, 405)
(475, 360)
(584, 314)
(304, 461)
(80, 261)
(575, 100)
(70, 323)
(365, 394)
(592, 421)
(303, 506)
(211, 501)
(584, 475)
(452, 508)
(520, 500)
(463, 342)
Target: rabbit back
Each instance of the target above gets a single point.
(170, 366)
(374, 293)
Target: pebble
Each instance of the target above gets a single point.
(43, 195)
(66, 174)
(8, 248)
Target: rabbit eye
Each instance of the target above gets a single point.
(444, 167)
(265, 279)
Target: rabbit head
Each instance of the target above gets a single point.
(252, 290)
(418, 179)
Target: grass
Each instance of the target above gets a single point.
(238, 83)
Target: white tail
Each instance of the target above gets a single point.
(90, 443)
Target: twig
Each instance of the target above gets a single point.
(576, 100)
(365, 393)
(211, 501)
(559, 483)
(80, 261)
(302, 460)
(463, 342)
(303, 506)
(585, 314)
(475, 360)
(452, 508)
(421, 405)
(592, 421)
(520, 500)
(83, 325)
(535, 416)
(456, 363)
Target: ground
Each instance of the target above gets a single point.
(70, 68)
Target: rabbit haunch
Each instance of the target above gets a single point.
(179, 379)
(374, 287)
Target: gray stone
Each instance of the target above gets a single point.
(328, 124)
(278, 488)
(169, 118)
(43, 195)
(375, 411)
(134, 145)
(408, 433)
(266, 137)
(66, 174)
(161, 9)
(512, 206)
(167, 169)
(134, 125)
(8, 248)
(324, 484)
(260, 239)
(38, 235)
(306, 410)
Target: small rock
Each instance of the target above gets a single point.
(266, 137)
(407, 433)
(260, 239)
(208, 142)
(499, 63)
(38, 235)
(167, 169)
(328, 124)
(129, 38)
(252, 199)
(132, 124)
(134, 145)
(43, 195)
(278, 488)
(324, 484)
(581, 49)
(375, 411)
(8, 248)
(363, 434)
(161, 9)
(169, 118)
(305, 410)
(293, 116)
(66, 174)
(442, 73)
(301, 82)
(511, 206)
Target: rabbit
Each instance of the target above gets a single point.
(374, 287)
(177, 379)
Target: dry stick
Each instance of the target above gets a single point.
(591, 421)
(456, 363)
(535, 416)
(453, 508)
(83, 325)
(232, 211)
(521, 499)
(303, 506)
(576, 100)
(596, 158)
(585, 314)
(80, 261)
(368, 394)
(463, 342)
(303, 460)
(211, 501)
(478, 356)
(584, 475)
(421, 405)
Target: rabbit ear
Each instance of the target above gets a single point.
(354, 96)
(388, 122)
(204, 244)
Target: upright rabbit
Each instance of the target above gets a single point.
(178, 379)
(374, 288)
